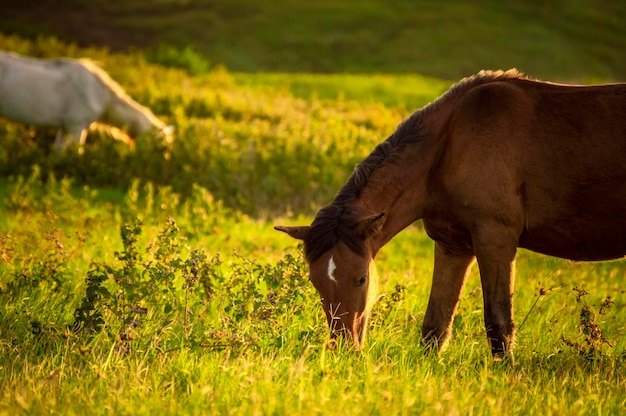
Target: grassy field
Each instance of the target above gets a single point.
(561, 40)
(151, 281)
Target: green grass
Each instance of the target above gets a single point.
(563, 40)
(188, 302)
(272, 360)
(408, 92)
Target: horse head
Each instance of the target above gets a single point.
(167, 133)
(345, 277)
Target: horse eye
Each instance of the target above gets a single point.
(362, 280)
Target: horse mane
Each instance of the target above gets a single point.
(117, 90)
(103, 77)
(337, 221)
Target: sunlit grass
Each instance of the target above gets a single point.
(48, 367)
(408, 92)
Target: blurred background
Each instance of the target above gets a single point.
(274, 102)
(561, 40)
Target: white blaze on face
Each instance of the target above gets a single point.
(372, 289)
(371, 299)
(331, 269)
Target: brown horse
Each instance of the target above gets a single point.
(498, 162)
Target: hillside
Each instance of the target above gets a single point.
(561, 40)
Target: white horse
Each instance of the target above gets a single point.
(71, 95)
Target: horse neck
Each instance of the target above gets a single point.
(398, 188)
(123, 111)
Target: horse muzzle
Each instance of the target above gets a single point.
(352, 328)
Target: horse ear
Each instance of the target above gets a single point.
(297, 232)
(371, 225)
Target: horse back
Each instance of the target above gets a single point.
(545, 160)
(55, 92)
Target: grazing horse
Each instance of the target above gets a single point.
(498, 162)
(71, 95)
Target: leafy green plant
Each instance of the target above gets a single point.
(89, 315)
(187, 58)
(172, 290)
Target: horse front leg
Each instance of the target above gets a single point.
(449, 274)
(82, 138)
(496, 261)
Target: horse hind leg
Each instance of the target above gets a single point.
(64, 139)
(449, 275)
(60, 141)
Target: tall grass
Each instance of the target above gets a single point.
(195, 321)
